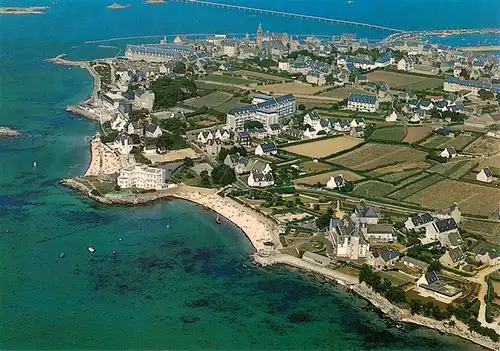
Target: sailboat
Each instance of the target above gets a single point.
(90, 248)
(62, 254)
(217, 219)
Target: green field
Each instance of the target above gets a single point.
(234, 102)
(412, 179)
(260, 76)
(410, 189)
(228, 79)
(373, 189)
(446, 169)
(398, 176)
(395, 133)
(397, 278)
(460, 142)
(201, 85)
(213, 99)
(436, 142)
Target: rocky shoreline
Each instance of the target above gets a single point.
(268, 258)
(395, 313)
(8, 132)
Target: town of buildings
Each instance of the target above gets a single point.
(255, 138)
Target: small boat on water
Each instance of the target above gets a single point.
(114, 252)
(217, 219)
(90, 248)
(168, 226)
(62, 254)
(35, 164)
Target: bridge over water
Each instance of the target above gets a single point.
(289, 14)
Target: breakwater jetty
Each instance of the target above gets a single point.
(60, 60)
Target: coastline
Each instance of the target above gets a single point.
(379, 302)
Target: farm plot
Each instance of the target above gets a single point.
(260, 75)
(484, 146)
(202, 121)
(291, 88)
(404, 81)
(436, 142)
(371, 156)
(412, 179)
(343, 93)
(203, 85)
(325, 177)
(459, 142)
(373, 189)
(313, 167)
(398, 176)
(399, 168)
(393, 133)
(211, 100)
(228, 79)
(322, 148)
(448, 168)
(472, 198)
(416, 133)
(489, 230)
(415, 187)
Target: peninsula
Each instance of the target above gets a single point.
(32, 10)
(369, 164)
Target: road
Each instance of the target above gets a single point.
(481, 280)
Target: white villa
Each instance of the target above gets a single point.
(142, 176)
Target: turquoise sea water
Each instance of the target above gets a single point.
(189, 287)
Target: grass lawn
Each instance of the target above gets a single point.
(313, 167)
(406, 81)
(234, 102)
(396, 133)
(489, 230)
(260, 75)
(211, 100)
(348, 270)
(228, 79)
(397, 278)
(343, 93)
(373, 189)
(207, 86)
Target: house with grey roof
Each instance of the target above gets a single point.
(336, 182)
(414, 263)
(239, 163)
(347, 239)
(490, 257)
(418, 221)
(261, 175)
(381, 232)
(315, 258)
(266, 149)
(449, 152)
(453, 257)
(365, 214)
(152, 131)
(382, 258)
(430, 285)
(450, 239)
(451, 212)
(136, 128)
(485, 175)
(440, 228)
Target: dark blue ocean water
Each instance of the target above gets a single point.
(190, 287)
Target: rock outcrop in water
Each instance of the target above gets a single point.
(7, 132)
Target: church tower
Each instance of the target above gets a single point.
(260, 34)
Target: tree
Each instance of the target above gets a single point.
(435, 266)
(174, 125)
(323, 221)
(415, 306)
(252, 124)
(234, 150)
(164, 141)
(396, 294)
(316, 207)
(485, 95)
(135, 138)
(464, 74)
(169, 91)
(223, 175)
(188, 162)
(205, 179)
(137, 115)
(302, 107)
(179, 68)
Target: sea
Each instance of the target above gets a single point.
(189, 287)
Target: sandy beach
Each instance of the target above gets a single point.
(104, 160)
(257, 228)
